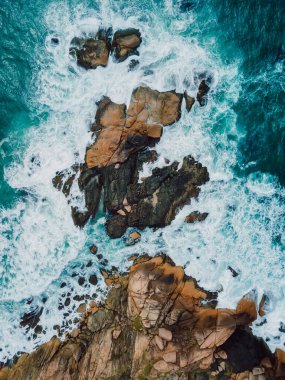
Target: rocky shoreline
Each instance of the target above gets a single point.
(156, 322)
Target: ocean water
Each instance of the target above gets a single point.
(47, 105)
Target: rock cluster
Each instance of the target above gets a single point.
(156, 322)
(113, 162)
(92, 52)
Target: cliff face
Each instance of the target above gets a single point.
(156, 324)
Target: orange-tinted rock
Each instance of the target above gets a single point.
(120, 135)
(151, 106)
(109, 114)
(247, 306)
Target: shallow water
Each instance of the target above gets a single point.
(48, 103)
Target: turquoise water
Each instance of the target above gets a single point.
(47, 103)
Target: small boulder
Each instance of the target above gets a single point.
(196, 216)
(202, 95)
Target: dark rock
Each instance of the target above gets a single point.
(245, 351)
(92, 52)
(116, 226)
(38, 329)
(64, 179)
(202, 95)
(32, 318)
(125, 43)
(81, 281)
(93, 249)
(196, 216)
(55, 40)
(67, 302)
(234, 272)
(133, 64)
(93, 279)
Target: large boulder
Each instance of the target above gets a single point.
(125, 43)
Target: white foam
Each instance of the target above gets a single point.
(39, 239)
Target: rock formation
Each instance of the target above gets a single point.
(92, 52)
(125, 43)
(156, 322)
(113, 162)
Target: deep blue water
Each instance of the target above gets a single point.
(240, 135)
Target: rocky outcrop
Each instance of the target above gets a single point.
(92, 52)
(125, 43)
(154, 201)
(156, 322)
(122, 132)
(113, 163)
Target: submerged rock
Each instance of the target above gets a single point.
(155, 321)
(125, 43)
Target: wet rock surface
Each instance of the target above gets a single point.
(156, 322)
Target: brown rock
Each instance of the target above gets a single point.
(135, 235)
(196, 216)
(280, 363)
(125, 43)
(247, 306)
(119, 137)
(151, 106)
